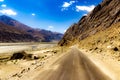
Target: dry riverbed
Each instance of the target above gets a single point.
(13, 67)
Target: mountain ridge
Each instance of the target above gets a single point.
(103, 16)
(12, 26)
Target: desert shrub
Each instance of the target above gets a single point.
(45, 55)
(42, 57)
(90, 49)
(98, 41)
(35, 57)
(96, 48)
(115, 49)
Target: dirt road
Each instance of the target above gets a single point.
(73, 66)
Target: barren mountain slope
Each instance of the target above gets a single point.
(11, 34)
(102, 17)
(107, 41)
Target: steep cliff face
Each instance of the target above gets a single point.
(102, 17)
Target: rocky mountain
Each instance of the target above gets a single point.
(101, 18)
(13, 31)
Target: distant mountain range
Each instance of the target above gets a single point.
(12, 30)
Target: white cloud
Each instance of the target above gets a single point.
(1, 0)
(71, 2)
(66, 5)
(50, 28)
(4, 5)
(84, 14)
(85, 8)
(33, 14)
(8, 12)
(65, 30)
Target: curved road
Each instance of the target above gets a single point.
(73, 66)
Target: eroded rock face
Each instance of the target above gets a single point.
(102, 17)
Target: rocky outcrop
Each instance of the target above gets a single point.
(23, 55)
(103, 16)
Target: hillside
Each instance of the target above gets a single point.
(98, 36)
(11, 34)
(102, 17)
(19, 32)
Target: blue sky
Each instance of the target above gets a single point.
(54, 15)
